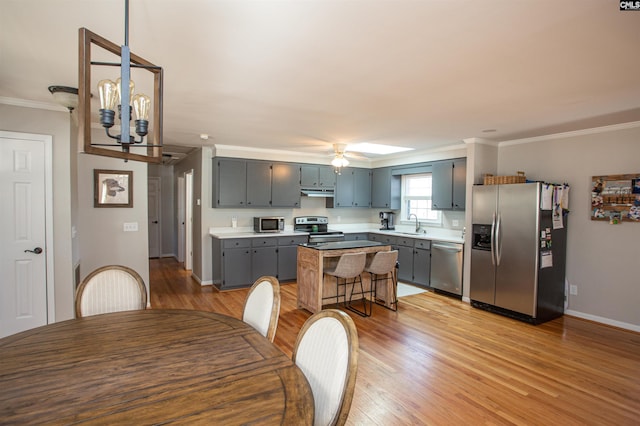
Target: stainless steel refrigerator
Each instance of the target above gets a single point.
(517, 258)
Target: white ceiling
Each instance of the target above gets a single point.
(301, 75)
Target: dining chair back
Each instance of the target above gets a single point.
(262, 306)
(111, 288)
(326, 351)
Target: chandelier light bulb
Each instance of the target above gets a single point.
(108, 94)
(142, 106)
(131, 87)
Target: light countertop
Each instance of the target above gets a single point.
(432, 234)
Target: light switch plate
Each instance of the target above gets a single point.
(130, 226)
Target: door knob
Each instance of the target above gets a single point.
(155, 221)
(36, 250)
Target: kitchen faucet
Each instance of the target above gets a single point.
(417, 223)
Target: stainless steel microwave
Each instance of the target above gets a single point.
(268, 224)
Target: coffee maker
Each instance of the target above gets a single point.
(386, 220)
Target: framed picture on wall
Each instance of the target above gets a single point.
(112, 188)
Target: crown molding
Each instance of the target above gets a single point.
(572, 134)
(32, 104)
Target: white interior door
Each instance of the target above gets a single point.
(25, 167)
(188, 262)
(153, 213)
(181, 224)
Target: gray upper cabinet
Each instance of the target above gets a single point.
(442, 183)
(385, 189)
(316, 176)
(459, 183)
(258, 183)
(255, 184)
(353, 189)
(361, 188)
(230, 186)
(344, 189)
(449, 184)
(285, 186)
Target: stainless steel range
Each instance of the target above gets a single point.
(317, 227)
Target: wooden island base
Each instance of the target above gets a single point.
(314, 286)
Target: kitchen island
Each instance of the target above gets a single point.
(313, 286)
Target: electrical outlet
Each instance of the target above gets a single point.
(573, 290)
(130, 227)
(455, 223)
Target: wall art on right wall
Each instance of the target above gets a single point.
(615, 198)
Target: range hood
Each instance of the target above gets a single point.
(317, 192)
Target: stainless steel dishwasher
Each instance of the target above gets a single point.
(446, 267)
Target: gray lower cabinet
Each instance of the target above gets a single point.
(238, 262)
(414, 257)
(421, 262)
(264, 257)
(288, 257)
(405, 259)
(384, 239)
(356, 236)
(236, 257)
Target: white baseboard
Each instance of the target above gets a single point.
(607, 321)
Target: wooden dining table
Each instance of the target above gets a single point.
(150, 367)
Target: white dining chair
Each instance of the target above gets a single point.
(262, 306)
(326, 351)
(111, 288)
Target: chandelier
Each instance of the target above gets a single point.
(118, 95)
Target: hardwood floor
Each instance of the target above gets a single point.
(438, 361)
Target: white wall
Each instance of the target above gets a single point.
(601, 258)
(101, 237)
(57, 124)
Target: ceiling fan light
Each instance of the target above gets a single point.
(339, 161)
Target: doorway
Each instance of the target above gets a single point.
(188, 219)
(26, 231)
(154, 217)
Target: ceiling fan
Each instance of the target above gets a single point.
(340, 151)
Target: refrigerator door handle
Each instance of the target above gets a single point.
(493, 239)
(498, 240)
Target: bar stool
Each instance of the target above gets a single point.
(383, 268)
(350, 267)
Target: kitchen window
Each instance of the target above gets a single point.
(416, 199)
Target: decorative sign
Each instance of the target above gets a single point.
(615, 198)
